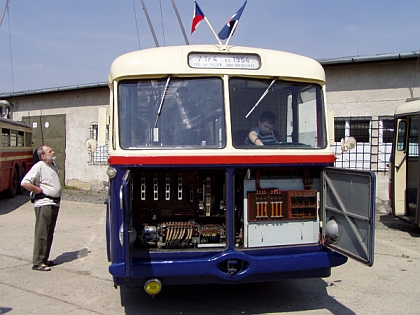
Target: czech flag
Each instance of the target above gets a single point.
(197, 17)
(228, 28)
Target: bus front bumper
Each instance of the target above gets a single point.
(229, 267)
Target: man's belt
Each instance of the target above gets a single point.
(42, 196)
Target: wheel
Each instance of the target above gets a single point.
(15, 183)
(22, 175)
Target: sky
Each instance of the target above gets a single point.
(55, 43)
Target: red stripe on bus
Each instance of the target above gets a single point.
(16, 154)
(218, 160)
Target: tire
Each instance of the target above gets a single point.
(22, 175)
(15, 183)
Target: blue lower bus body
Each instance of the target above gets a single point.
(229, 266)
(224, 261)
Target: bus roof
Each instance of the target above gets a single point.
(5, 121)
(409, 107)
(174, 60)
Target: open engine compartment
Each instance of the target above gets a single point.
(187, 209)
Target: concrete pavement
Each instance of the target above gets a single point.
(81, 284)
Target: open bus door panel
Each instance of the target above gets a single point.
(404, 171)
(399, 169)
(349, 216)
(414, 131)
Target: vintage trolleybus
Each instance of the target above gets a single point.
(192, 200)
(15, 153)
(404, 163)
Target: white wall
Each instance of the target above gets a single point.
(371, 90)
(81, 110)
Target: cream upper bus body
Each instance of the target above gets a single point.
(159, 63)
(173, 60)
(16, 136)
(16, 125)
(412, 107)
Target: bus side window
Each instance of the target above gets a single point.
(28, 139)
(413, 140)
(402, 131)
(5, 136)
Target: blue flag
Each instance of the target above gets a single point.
(228, 28)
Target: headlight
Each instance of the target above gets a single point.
(132, 235)
(153, 286)
(332, 229)
(111, 172)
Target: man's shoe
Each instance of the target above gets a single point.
(41, 267)
(50, 263)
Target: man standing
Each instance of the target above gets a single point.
(44, 182)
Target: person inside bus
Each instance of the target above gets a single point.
(43, 182)
(185, 125)
(263, 133)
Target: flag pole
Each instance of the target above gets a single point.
(231, 33)
(214, 33)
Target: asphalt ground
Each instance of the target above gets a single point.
(81, 284)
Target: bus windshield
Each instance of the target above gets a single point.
(171, 113)
(281, 113)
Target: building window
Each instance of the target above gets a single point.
(339, 130)
(359, 129)
(374, 139)
(387, 126)
(100, 155)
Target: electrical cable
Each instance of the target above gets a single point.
(10, 48)
(137, 27)
(161, 21)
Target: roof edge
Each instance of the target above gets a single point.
(54, 90)
(374, 58)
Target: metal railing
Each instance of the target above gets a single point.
(372, 155)
(100, 155)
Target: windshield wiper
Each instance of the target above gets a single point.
(162, 100)
(261, 98)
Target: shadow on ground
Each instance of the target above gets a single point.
(288, 296)
(70, 256)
